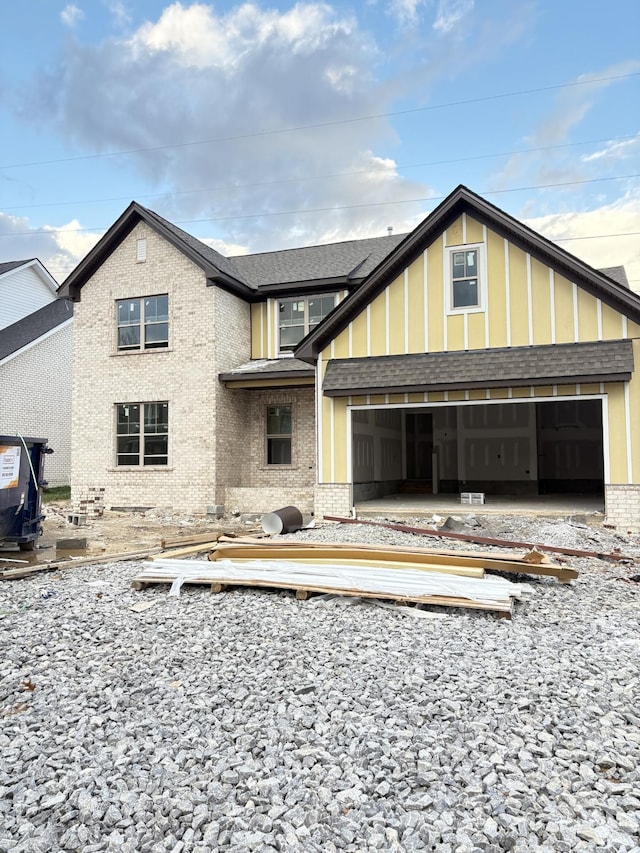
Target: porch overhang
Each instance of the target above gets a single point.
(554, 364)
(270, 373)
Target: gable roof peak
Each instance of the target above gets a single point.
(462, 199)
(215, 266)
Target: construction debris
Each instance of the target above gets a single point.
(56, 565)
(457, 562)
(404, 580)
(480, 540)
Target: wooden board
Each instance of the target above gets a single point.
(58, 565)
(430, 560)
(329, 556)
(207, 545)
(404, 549)
(504, 607)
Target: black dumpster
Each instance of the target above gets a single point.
(21, 482)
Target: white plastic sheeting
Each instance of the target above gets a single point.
(394, 583)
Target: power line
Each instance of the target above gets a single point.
(69, 266)
(318, 125)
(218, 187)
(329, 209)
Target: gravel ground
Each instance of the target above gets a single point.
(252, 721)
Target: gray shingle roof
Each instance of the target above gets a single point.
(352, 258)
(490, 368)
(618, 274)
(263, 368)
(7, 266)
(225, 265)
(33, 326)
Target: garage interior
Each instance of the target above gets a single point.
(545, 455)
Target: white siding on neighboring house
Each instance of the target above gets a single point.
(35, 398)
(22, 291)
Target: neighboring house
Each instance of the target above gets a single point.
(471, 354)
(35, 362)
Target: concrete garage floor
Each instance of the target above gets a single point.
(554, 506)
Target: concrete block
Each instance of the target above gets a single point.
(78, 544)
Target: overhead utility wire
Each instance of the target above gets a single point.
(328, 209)
(218, 187)
(63, 268)
(318, 125)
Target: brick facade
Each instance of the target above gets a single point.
(333, 499)
(216, 434)
(208, 329)
(622, 503)
(268, 487)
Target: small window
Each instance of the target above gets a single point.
(279, 434)
(297, 317)
(143, 323)
(465, 286)
(142, 434)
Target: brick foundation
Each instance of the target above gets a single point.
(622, 504)
(333, 499)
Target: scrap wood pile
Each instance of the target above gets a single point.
(418, 575)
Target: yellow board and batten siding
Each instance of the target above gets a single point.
(526, 303)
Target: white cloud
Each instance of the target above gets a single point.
(239, 78)
(71, 14)
(450, 13)
(119, 11)
(60, 249)
(620, 217)
(614, 150)
(571, 106)
(195, 37)
(227, 249)
(405, 11)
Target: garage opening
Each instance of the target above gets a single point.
(513, 449)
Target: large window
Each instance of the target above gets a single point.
(142, 433)
(143, 323)
(297, 317)
(279, 433)
(465, 285)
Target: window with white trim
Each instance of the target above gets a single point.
(142, 434)
(465, 285)
(143, 323)
(299, 316)
(279, 434)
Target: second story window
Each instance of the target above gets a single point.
(143, 323)
(300, 315)
(465, 283)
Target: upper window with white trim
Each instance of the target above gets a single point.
(299, 316)
(465, 279)
(143, 323)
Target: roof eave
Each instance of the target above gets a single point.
(315, 285)
(257, 375)
(590, 378)
(123, 226)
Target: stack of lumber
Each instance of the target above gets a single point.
(400, 574)
(530, 563)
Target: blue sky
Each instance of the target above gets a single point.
(259, 126)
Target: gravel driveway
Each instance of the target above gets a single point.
(253, 721)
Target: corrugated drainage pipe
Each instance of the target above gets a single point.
(285, 520)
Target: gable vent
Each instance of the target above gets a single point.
(141, 251)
